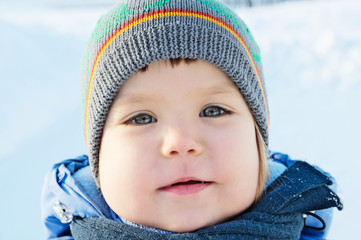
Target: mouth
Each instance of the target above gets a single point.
(186, 186)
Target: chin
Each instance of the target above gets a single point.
(185, 229)
(187, 226)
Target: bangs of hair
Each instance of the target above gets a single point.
(173, 62)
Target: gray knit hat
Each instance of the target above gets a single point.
(136, 33)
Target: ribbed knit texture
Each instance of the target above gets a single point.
(137, 33)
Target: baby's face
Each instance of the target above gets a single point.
(179, 148)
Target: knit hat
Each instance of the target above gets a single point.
(136, 33)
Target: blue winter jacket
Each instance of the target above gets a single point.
(70, 191)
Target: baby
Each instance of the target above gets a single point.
(179, 143)
(176, 126)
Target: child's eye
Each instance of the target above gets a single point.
(141, 119)
(214, 111)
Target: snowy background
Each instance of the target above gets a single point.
(312, 62)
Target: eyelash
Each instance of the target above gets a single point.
(133, 119)
(222, 111)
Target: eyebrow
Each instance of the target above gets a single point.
(136, 98)
(216, 90)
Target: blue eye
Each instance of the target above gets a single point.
(141, 119)
(214, 111)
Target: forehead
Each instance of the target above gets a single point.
(198, 76)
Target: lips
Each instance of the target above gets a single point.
(186, 186)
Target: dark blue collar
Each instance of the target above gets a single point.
(277, 215)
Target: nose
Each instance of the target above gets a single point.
(181, 141)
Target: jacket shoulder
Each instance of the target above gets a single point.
(69, 190)
(320, 218)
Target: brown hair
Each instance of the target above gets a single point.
(173, 62)
(263, 174)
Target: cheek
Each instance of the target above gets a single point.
(122, 151)
(237, 159)
(123, 169)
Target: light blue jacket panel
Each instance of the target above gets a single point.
(70, 184)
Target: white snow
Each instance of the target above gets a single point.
(311, 54)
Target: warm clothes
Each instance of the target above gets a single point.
(135, 34)
(295, 189)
